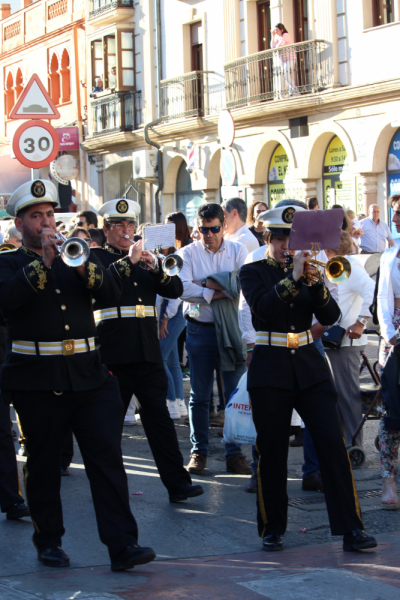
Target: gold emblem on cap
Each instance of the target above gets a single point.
(122, 206)
(37, 189)
(288, 214)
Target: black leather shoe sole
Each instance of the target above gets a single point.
(18, 513)
(142, 557)
(272, 547)
(369, 542)
(192, 492)
(58, 563)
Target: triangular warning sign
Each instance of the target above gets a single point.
(34, 102)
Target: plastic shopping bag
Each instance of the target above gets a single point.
(239, 427)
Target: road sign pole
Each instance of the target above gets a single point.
(35, 174)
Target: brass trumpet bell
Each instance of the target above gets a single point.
(74, 252)
(337, 269)
(172, 264)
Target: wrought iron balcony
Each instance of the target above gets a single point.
(121, 111)
(195, 94)
(99, 7)
(285, 72)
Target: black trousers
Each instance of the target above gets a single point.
(10, 492)
(148, 381)
(272, 411)
(95, 418)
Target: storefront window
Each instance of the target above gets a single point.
(393, 174)
(187, 201)
(280, 182)
(338, 187)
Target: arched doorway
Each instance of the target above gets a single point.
(187, 201)
(338, 182)
(280, 182)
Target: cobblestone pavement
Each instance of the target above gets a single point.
(208, 547)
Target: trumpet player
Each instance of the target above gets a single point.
(54, 377)
(129, 345)
(287, 371)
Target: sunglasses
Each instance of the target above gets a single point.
(81, 224)
(205, 230)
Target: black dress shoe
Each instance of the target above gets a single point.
(17, 511)
(184, 492)
(251, 486)
(272, 543)
(65, 472)
(54, 557)
(131, 556)
(358, 540)
(313, 483)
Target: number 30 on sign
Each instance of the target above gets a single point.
(36, 144)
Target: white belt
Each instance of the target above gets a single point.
(66, 347)
(138, 311)
(288, 340)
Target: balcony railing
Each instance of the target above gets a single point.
(285, 72)
(196, 94)
(99, 7)
(121, 111)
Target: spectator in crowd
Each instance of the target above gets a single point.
(361, 216)
(389, 321)
(356, 232)
(12, 235)
(313, 204)
(376, 232)
(280, 38)
(236, 230)
(80, 232)
(255, 226)
(209, 276)
(172, 324)
(97, 236)
(87, 219)
(98, 88)
(355, 297)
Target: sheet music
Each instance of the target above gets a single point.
(158, 236)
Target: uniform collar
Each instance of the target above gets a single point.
(272, 263)
(114, 250)
(29, 251)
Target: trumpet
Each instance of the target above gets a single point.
(337, 269)
(74, 251)
(171, 264)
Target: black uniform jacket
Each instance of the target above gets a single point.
(51, 305)
(133, 339)
(281, 305)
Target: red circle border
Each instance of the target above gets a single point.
(17, 136)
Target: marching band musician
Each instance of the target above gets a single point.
(129, 345)
(287, 371)
(54, 377)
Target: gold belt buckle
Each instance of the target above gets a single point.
(68, 347)
(292, 340)
(140, 311)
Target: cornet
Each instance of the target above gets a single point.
(337, 269)
(74, 251)
(171, 264)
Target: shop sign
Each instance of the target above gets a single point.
(393, 167)
(284, 190)
(279, 165)
(359, 197)
(69, 138)
(280, 185)
(335, 158)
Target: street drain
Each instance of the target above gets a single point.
(320, 499)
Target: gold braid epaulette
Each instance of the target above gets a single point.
(36, 275)
(123, 267)
(95, 276)
(287, 288)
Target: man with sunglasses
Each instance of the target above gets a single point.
(205, 258)
(86, 219)
(129, 345)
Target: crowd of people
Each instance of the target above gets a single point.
(241, 302)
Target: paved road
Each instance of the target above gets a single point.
(208, 547)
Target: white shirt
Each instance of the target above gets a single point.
(200, 263)
(374, 236)
(355, 297)
(170, 310)
(385, 293)
(244, 236)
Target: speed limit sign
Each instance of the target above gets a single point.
(36, 144)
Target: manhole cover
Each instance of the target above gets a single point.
(320, 499)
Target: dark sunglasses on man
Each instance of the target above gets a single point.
(205, 230)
